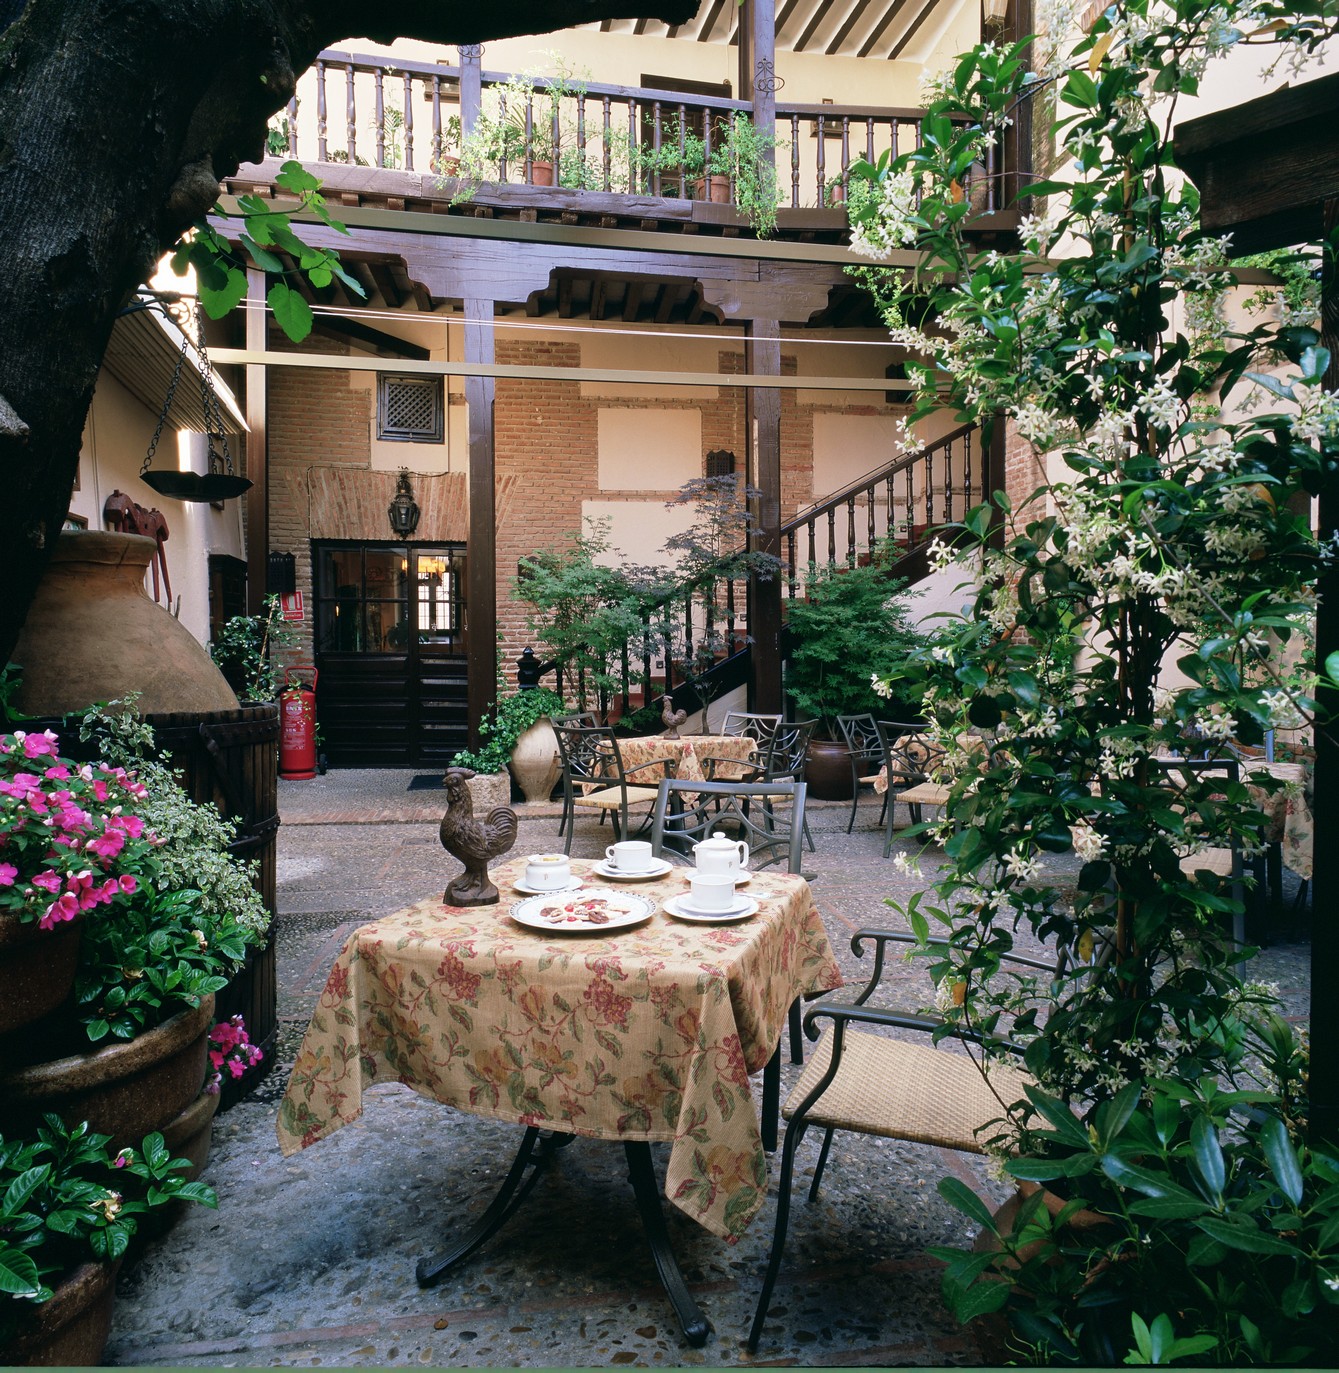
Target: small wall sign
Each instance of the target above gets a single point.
(290, 606)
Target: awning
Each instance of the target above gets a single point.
(143, 350)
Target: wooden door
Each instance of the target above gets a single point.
(390, 652)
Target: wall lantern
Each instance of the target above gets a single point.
(403, 510)
(994, 13)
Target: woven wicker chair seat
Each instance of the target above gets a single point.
(905, 1091)
(611, 797)
(925, 794)
(1216, 861)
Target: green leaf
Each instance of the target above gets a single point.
(1332, 666)
(23, 1186)
(266, 261)
(219, 302)
(1282, 1158)
(292, 312)
(958, 1194)
(18, 1273)
(293, 176)
(1208, 1155)
(1242, 1234)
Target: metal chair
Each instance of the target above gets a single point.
(861, 733)
(594, 776)
(740, 724)
(862, 1081)
(586, 719)
(686, 812)
(910, 758)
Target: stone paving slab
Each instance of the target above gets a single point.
(310, 1260)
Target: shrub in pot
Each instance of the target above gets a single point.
(500, 729)
(66, 1204)
(850, 623)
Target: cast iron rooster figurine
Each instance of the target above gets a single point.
(473, 841)
(672, 718)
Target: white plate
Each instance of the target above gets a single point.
(743, 907)
(520, 884)
(575, 912)
(659, 867)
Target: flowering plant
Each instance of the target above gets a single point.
(65, 1200)
(71, 839)
(1172, 464)
(230, 1051)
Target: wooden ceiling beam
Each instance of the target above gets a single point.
(376, 339)
(565, 297)
(881, 27)
(819, 14)
(704, 33)
(599, 299)
(669, 298)
(927, 8)
(632, 301)
(856, 15)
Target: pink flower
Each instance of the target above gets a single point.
(107, 845)
(37, 745)
(66, 908)
(8, 872)
(48, 880)
(59, 773)
(128, 882)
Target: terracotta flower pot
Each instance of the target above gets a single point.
(827, 770)
(716, 189)
(37, 968)
(126, 1089)
(535, 762)
(70, 1330)
(541, 173)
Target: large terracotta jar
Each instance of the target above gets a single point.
(93, 634)
(535, 761)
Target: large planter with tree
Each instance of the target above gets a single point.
(849, 625)
(37, 968)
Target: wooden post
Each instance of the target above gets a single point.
(471, 85)
(1324, 1084)
(257, 446)
(757, 62)
(762, 423)
(481, 576)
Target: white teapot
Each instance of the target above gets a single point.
(719, 854)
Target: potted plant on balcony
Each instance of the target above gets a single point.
(68, 1211)
(849, 623)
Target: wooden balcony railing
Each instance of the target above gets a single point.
(613, 139)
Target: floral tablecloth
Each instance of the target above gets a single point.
(649, 1034)
(1287, 811)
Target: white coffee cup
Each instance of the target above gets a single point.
(629, 855)
(719, 854)
(712, 891)
(548, 871)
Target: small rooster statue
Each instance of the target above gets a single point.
(671, 717)
(473, 841)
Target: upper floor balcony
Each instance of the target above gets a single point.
(452, 137)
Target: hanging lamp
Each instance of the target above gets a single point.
(220, 482)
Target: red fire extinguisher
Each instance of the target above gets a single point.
(297, 724)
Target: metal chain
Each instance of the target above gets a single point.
(210, 403)
(167, 405)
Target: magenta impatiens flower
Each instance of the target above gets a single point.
(70, 838)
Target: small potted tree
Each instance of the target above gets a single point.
(851, 623)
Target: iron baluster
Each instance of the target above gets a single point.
(846, 150)
(436, 124)
(813, 551)
(850, 531)
(790, 558)
(822, 159)
(869, 139)
(869, 512)
(606, 129)
(832, 536)
(795, 161)
(910, 508)
(655, 147)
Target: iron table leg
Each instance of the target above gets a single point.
(695, 1326)
(514, 1190)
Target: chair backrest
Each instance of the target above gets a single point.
(861, 733)
(767, 816)
(785, 756)
(908, 753)
(585, 719)
(589, 753)
(752, 724)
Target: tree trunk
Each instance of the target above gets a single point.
(117, 121)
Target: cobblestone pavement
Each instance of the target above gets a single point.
(310, 1260)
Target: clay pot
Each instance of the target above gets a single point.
(92, 597)
(541, 173)
(70, 1330)
(37, 969)
(126, 1089)
(716, 189)
(827, 770)
(535, 762)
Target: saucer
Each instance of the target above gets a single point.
(741, 908)
(659, 867)
(520, 884)
(590, 910)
